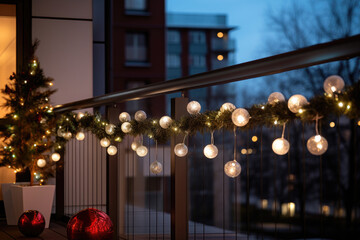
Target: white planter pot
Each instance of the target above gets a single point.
(19, 198)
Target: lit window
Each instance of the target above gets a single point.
(197, 37)
(136, 47)
(220, 57)
(173, 36)
(136, 5)
(173, 60)
(220, 35)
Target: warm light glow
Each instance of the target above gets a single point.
(110, 129)
(193, 107)
(341, 104)
(220, 35)
(112, 150)
(50, 84)
(220, 57)
(264, 203)
(142, 151)
(243, 151)
(41, 163)
(325, 210)
(55, 157)
(275, 98)
(301, 110)
(124, 117)
(232, 168)
(80, 136)
(332, 124)
(210, 151)
(227, 107)
(135, 145)
(126, 127)
(67, 135)
(317, 138)
(140, 116)
(156, 167)
(165, 122)
(180, 150)
(317, 145)
(280, 146)
(254, 138)
(358, 123)
(333, 84)
(240, 117)
(104, 142)
(296, 102)
(288, 209)
(80, 115)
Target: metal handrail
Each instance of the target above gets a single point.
(341, 49)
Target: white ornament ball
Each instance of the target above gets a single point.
(55, 157)
(41, 162)
(79, 115)
(111, 150)
(140, 116)
(232, 168)
(124, 117)
(333, 84)
(317, 145)
(227, 107)
(67, 135)
(165, 122)
(193, 107)
(135, 145)
(142, 151)
(60, 132)
(296, 102)
(280, 146)
(180, 150)
(110, 129)
(240, 117)
(275, 98)
(104, 142)
(210, 151)
(126, 127)
(80, 136)
(156, 167)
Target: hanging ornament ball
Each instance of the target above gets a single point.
(135, 145)
(79, 116)
(110, 129)
(124, 117)
(317, 145)
(240, 117)
(210, 151)
(31, 223)
(90, 224)
(67, 135)
(112, 150)
(280, 146)
(296, 102)
(126, 127)
(104, 142)
(140, 116)
(227, 107)
(165, 122)
(156, 167)
(60, 132)
(41, 162)
(333, 84)
(141, 151)
(232, 168)
(275, 98)
(80, 136)
(55, 157)
(193, 107)
(180, 150)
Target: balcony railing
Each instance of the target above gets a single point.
(195, 199)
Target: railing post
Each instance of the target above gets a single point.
(179, 190)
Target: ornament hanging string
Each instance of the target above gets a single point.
(283, 131)
(235, 143)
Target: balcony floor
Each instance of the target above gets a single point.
(55, 232)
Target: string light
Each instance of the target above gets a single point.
(181, 149)
(140, 116)
(124, 117)
(333, 84)
(110, 129)
(281, 146)
(55, 157)
(332, 124)
(156, 167)
(227, 107)
(240, 117)
(112, 150)
(80, 136)
(317, 145)
(296, 102)
(41, 163)
(126, 127)
(165, 122)
(193, 107)
(142, 151)
(210, 150)
(104, 142)
(275, 98)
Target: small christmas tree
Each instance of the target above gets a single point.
(28, 134)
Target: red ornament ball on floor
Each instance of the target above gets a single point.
(90, 224)
(31, 223)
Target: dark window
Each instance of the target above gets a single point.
(173, 36)
(136, 47)
(136, 5)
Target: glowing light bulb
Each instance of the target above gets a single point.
(156, 167)
(111, 150)
(193, 107)
(275, 98)
(317, 145)
(80, 115)
(110, 129)
(165, 122)
(55, 157)
(210, 151)
(80, 136)
(280, 146)
(126, 127)
(140, 116)
(227, 107)
(180, 150)
(67, 135)
(296, 102)
(135, 145)
(142, 151)
(41, 163)
(232, 168)
(240, 117)
(220, 34)
(124, 117)
(104, 142)
(333, 84)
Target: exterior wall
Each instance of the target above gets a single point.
(64, 29)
